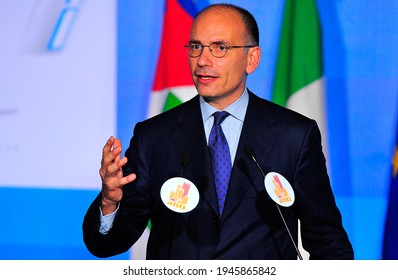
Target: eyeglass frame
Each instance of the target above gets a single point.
(188, 45)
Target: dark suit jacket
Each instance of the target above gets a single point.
(250, 227)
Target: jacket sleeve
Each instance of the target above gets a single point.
(133, 214)
(322, 231)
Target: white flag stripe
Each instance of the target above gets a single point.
(158, 98)
(138, 251)
(310, 101)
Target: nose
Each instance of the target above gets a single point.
(205, 58)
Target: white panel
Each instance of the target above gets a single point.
(57, 108)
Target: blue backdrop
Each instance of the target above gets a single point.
(361, 71)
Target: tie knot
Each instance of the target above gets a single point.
(219, 117)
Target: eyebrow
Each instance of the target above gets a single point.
(218, 42)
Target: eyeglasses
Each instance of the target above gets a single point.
(216, 49)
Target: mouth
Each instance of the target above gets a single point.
(204, 77)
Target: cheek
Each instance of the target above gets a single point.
(191, 64)
(240, 68)
(234, 68)
(236, 71)
(222, 67)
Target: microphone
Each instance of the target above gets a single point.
(185, 159)
(250, 153)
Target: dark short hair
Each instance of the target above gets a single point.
(252, 31)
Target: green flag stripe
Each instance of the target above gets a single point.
(171, 101)
(300, 52)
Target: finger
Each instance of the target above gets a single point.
(116, 167)
(107, 150)
(113, 186)
(117, 147)
(108, 144)
(128, 179)
(111, 156)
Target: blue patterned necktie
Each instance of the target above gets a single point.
(220, 158)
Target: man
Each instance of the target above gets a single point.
(223, 50)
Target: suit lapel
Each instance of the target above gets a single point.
(190, 138)
(257, 134)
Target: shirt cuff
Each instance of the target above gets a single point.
(106, 221)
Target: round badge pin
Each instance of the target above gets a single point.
(279, 189)
(179, 195)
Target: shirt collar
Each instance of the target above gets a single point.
(236, 109)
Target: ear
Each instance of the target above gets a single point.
(254, 55)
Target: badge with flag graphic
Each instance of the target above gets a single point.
(279, 189)
(179, 195)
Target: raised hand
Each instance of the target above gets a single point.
(112, 175)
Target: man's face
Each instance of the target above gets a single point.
(220, 81)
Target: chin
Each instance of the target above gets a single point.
(207, 95)
(205, 91)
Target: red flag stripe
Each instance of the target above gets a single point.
(173, 68)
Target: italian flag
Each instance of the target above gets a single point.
(173, 82)
(299, 83)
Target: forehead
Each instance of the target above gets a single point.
(218, 25)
